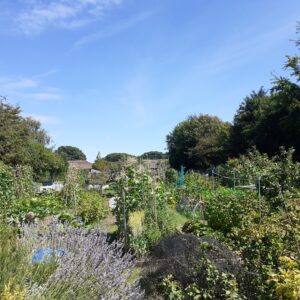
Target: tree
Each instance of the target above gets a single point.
(70, 153)
(269, 121)
(46, 164)
(243, 133)
(198, 142)
(17, 134)
(23, 142)
(117, 157)
(153, 155)
(14, 135)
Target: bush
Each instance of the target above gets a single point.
(276, 175)
(227, 208)
(90, 268)
(287, 281)
(92, 207)
(39, 206)
(208, 269)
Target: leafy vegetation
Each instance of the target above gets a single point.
(233, 233)
(154, 155)
(23, 142)
(198, 142)
(70, 153)
(117, 157)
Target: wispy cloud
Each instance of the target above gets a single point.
(115, 29)
(9, 84)
(38, 15)
(31, 88)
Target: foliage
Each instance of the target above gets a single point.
(276, 175)
(244, 131)
(226, 208)
(154, 155)
(198, 228)
(101, 165)
(7, 194)
(137, 192)
(17, 133)
(270, 120)
(92, 207)
(130, 187)
(38, 206)
(195, 184)
(208, 269)
(262, 241)
(23, 181)
(23, 142)
(170, 176)
(136, 222)
(214, 281)
(90, 267)
(73, 184)
(287, 281)
(108, 169)
(45, 163)
(70, 153)
(198, 142)
(12, 262)
(117, 157)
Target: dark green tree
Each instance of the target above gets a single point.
(45, 163)
(243, 133)
(153, 155)
(117, 157)
(23, 142)
(198, 142)
(17, 134)
(70, 153)
(269, 121)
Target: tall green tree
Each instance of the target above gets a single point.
(17, 134)
(270, 120)
(154, 155)
(117, 157)
(246, 123)
(70, 153)
(23, 142)
(198, 142)
(45, 163)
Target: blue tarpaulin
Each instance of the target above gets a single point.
(44, 255)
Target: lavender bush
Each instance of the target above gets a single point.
(90, 268)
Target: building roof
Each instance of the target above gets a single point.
(80, 164)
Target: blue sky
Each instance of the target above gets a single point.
(118, 75)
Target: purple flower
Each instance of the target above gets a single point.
(90, 267)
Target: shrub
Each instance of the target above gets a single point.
(40, 206)
(276, 175)
(287, 281)
(208, 269)
(90, 268)
(92, 207)
(226, 208)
